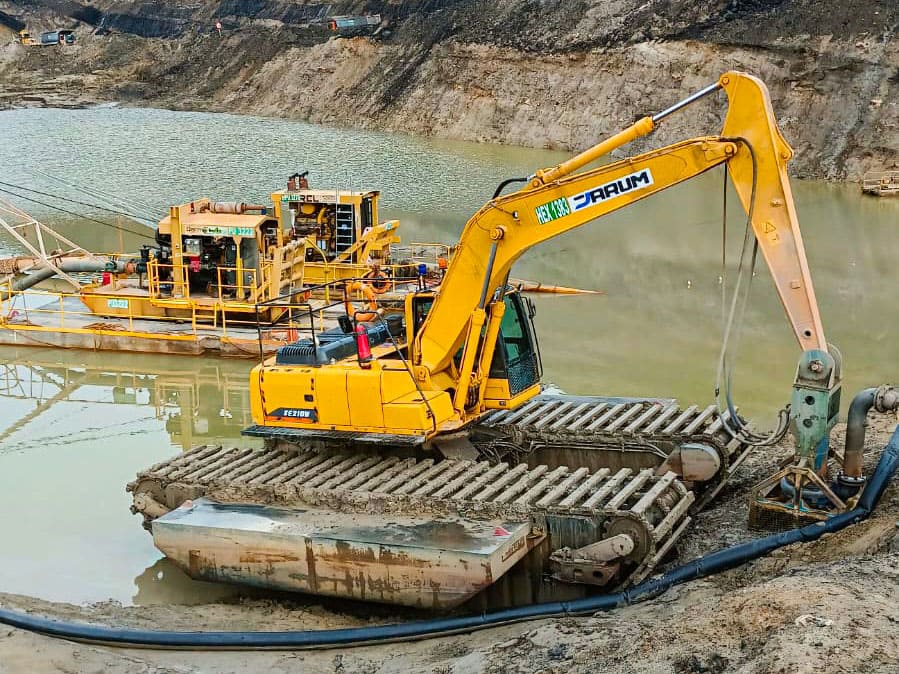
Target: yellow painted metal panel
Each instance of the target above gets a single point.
(410, 411)
(497, 393)
(285, 387)
(364, 397)
(331, 395)
(504, 401)
(396, 383)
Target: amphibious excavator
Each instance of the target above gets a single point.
(415, 458)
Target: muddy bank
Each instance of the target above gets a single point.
(552, 75)
(699, 628)
(828, 606)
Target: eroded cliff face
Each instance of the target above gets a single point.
(542, 73)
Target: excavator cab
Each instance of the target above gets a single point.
(516, 360)
(516, 365)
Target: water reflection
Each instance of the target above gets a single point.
(75, 427)
(164, 583)
(197, 401)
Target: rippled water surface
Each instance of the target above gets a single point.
(75, 427)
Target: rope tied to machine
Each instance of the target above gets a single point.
(732, 322)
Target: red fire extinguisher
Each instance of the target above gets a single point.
(363, 348)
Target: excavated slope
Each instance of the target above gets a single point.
(542, 73)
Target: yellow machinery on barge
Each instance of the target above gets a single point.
(345, 236)
(210, 282)
(199, 287)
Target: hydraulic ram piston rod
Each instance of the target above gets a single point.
(687, 101)
(642, 127)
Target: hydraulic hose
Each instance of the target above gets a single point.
(715, 562)
(505, 183)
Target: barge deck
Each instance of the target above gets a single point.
(63, 320)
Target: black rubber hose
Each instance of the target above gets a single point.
(505, 183)
(356, 636)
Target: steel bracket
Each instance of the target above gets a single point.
(568, 567)
(795, 492)
(815, 404)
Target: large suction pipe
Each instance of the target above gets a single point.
(883, 399)
(69, 265)
(27, 281)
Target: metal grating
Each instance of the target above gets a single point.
(585, 415)
(449, 480)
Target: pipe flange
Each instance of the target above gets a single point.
(886, 399)
(847, 486)
(850, 481)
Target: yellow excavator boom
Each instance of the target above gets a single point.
(555, 202)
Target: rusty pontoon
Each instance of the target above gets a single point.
(403, 531)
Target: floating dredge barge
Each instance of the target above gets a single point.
(881, 183)
(197, 290)
(210, 283)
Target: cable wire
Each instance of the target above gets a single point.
(77, 215)
(71, 201)
(100, 194)
(733, 326)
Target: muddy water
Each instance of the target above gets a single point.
(75, 427)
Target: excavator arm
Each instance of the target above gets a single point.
(558, 200)
(555, 202)
(446, 392)
(439, 390)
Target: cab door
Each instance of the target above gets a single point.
(517, 355)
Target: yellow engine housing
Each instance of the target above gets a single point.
(381, 399)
